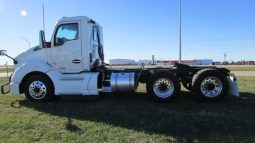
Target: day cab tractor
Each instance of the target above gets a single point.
(72, 63)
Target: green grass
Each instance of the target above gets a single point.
(130, 118)
(4, 70)
(246, 84)
(2, 80)
(240, 67)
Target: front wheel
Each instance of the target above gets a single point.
(39, 88)
(163, 86)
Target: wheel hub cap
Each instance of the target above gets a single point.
(211, 86)
(37, 90)
(163, 87)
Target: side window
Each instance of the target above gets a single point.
(66, 32)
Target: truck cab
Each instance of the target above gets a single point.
(74, 47)
(67, 61)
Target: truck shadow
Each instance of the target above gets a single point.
(185, 117)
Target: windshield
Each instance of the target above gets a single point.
(96, 38)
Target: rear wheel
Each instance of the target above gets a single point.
(210, 85)
(163, 86)
(39, 88)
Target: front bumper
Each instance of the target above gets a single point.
(10, 87)
(14, 88)
(5, 88)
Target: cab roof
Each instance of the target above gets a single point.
(77, 18)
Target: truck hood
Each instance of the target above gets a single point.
(25, 56)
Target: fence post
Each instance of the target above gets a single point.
(7, 72)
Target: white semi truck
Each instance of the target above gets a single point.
(72, 63)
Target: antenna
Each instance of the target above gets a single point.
(27, 41)
(180, 40)
(43, 17)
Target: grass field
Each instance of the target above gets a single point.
(130, 118)
(239, 67)
(4, 70)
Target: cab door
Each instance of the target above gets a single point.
(66, 52)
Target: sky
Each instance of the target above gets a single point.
(138, 29)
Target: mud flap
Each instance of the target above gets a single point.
(233, 87)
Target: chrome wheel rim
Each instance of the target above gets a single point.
(163, 87)
(37, 90)
(211, 86)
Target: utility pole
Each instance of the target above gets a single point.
(7, 72)
(180, 40)
(153, 60)
(225, 57)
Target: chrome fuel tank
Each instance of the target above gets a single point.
(123, 81)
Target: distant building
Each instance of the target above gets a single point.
(203, 61)
(145, 62)
(122, 62)
(187, 62)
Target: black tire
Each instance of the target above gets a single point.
(210, 85)
(39, 88)
(187, 86)
(159, 81)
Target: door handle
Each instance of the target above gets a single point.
(76, 61)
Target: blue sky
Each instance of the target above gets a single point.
(136, 29)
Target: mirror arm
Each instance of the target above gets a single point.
(15, 61)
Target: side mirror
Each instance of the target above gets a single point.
(42, 39)
(3, 53)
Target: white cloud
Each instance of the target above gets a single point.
(23, 13)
